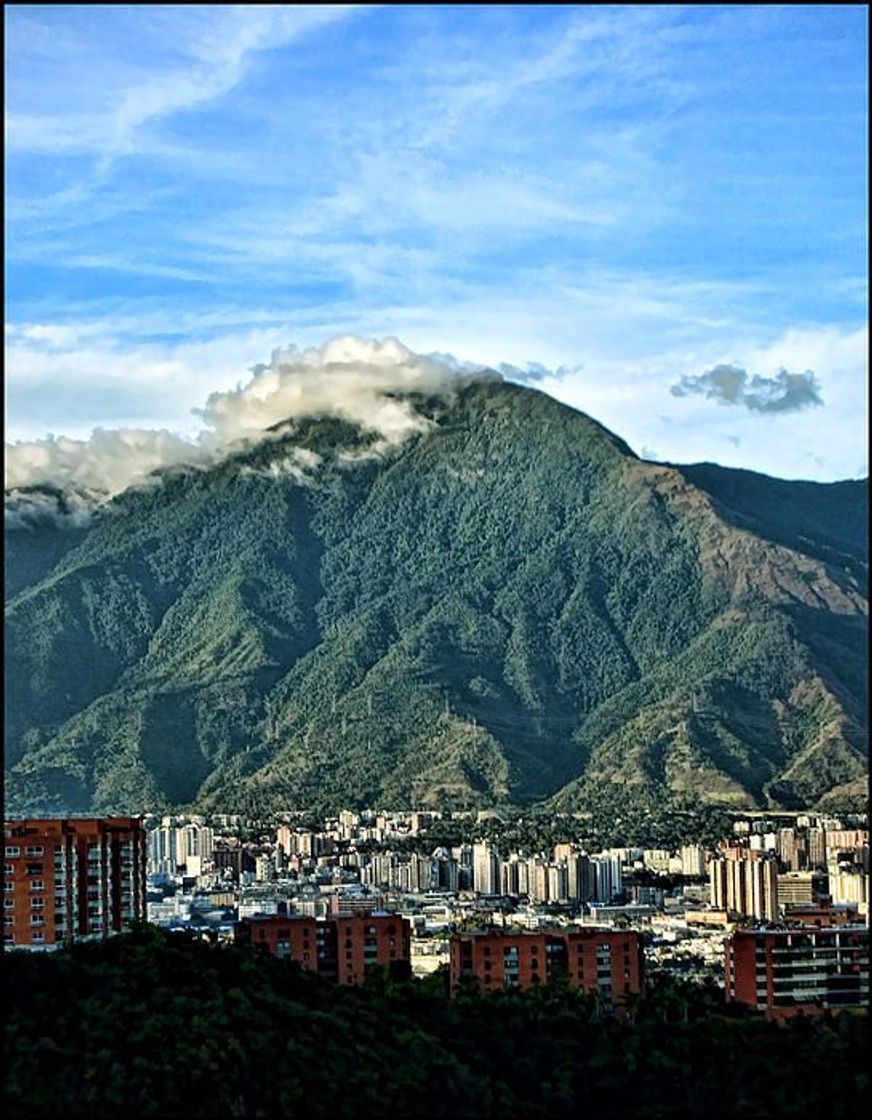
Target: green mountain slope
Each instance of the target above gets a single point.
(509, 606)
(826, 520)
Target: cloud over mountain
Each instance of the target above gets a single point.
(365, 382)
(731, 385)
(353, 378)
(108, 462)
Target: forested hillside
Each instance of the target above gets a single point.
(508, 606)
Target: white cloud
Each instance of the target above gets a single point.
(71, 509)
(108, 462)
(300, 464)
(824, 443)
(347, 377)
(528, 185)
(352, 378)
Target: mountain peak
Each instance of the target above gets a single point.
(501, 605)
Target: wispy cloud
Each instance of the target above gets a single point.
(219, 45)
(193, 186)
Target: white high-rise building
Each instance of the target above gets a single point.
(196, 840)
(558, 882)
(693, 860)
(745, 883)
(537, 872)
(165, 849)
(486, 877)
(849, 885)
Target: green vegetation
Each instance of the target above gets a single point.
(509, 607)
(666, 825)
(154, 1025)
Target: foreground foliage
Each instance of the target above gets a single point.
(160, 1025)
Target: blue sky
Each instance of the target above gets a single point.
(634, 197)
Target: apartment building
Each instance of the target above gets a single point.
(801, 888)
(487, 869)
(785, 971)
(745, 883)
(606, 962)
(71, 879)
(340, 947)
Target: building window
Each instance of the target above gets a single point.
(8, 903)
(37, 885)
(11, 852)
(8, 887)
(37, 937)
(36, 850)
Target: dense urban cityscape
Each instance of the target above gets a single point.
(790, 884)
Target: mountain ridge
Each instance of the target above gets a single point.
(510, 605)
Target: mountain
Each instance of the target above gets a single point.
(508, 606)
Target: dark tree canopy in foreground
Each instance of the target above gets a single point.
(159, 1025)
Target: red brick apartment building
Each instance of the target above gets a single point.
(785, 971)
(607, 962)
(68, 879)
(340, 947)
